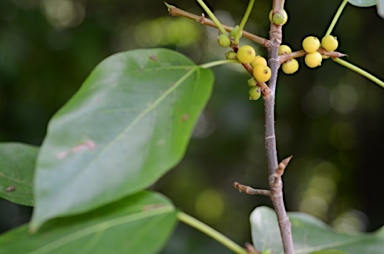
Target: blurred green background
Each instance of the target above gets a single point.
(329, 118)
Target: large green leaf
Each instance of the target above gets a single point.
(310, 235)
(362, 3)
(140, 223)
(128, 124)
(17, 165)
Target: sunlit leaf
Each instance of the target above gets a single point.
(141, 223)
(17, 165)
(128, 125)
(310, 235)
(362, 3)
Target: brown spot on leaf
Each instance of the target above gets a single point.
(87, 145)
(153, 58)
(184, 117)
(10, 188)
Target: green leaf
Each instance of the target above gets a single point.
(141, 223)
(329, 251)
(362, 3)
(128, 125)
(17, 165)
(309, 235)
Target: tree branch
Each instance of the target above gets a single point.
(275, 171)
(174, 11)
(275, 183)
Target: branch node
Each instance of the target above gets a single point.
(265, 90)
(201, 20)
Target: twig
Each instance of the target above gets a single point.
(250, 191)
(189, 220)
(285, 57)
(174, 11)
(359, 71)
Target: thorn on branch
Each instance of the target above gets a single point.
(280, 170)
(250, 191)
(283, 164)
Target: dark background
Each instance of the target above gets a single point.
(329, 118)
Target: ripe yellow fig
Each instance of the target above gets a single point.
(311, 44)
(224, 40)
(261, 73)
(329, 43)
(313, 60)
(246, 54)
(258, 60)
(284, 49)
(290, 66)
(254, 93)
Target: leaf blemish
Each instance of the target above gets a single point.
(154, 206)
(87, 145)
(153, 58)
(184, 117)
(10, 188)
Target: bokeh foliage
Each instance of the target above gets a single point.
(329, 118)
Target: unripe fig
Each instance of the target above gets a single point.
(258, 60)
(278, 18)
(231, 55)
(313, 60)
(311, 44)
(224, 40)
(284, 49)
(235, 30)
(290, 66)
(261, 73)
(254, 93)
(252, 82)
(246, 54)
(329, 43)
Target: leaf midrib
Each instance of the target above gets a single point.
(99, 227)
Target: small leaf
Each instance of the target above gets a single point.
(310, 235)
(128, 125)
(17, 166)
(362, 3)
(141, 223)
